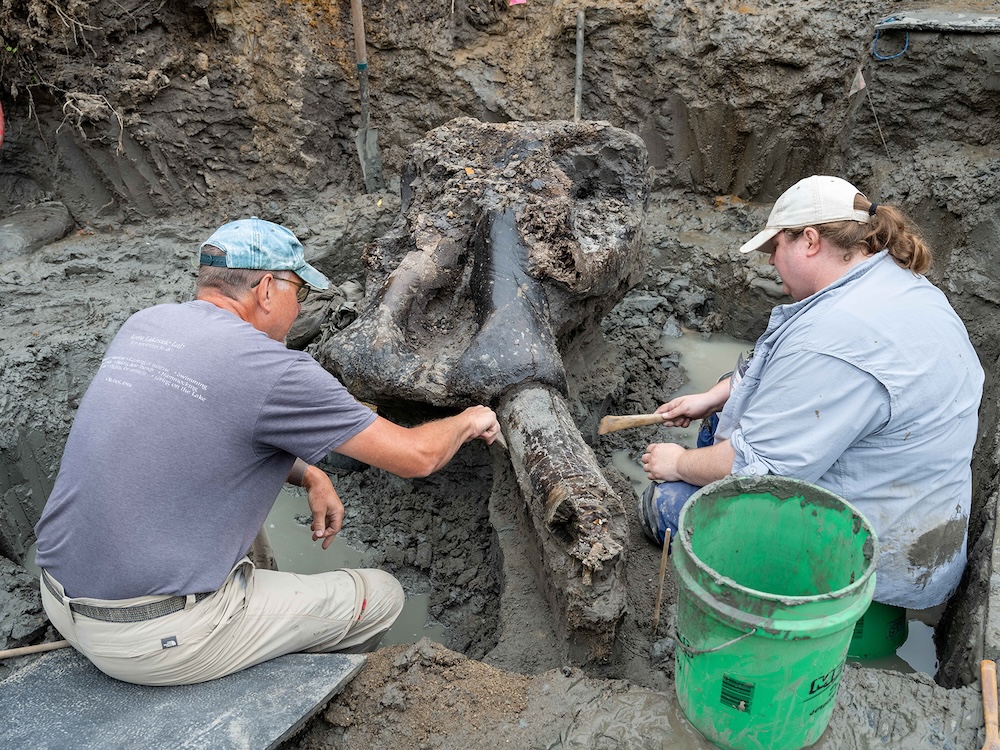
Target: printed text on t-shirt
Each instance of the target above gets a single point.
(124, 366)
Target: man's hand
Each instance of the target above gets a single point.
(327, 510)
(485, 424)
(660, 462)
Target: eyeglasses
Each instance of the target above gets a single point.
(301, 294)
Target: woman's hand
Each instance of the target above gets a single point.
(683, 409)
(660, 461)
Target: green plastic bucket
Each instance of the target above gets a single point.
(880, 631)
(772, 575)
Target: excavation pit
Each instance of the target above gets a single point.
(732, 103)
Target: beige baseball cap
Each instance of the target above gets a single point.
(820, 199)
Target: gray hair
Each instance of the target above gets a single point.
(230, 282)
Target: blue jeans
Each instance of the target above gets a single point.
(661, 504)
(661, 508)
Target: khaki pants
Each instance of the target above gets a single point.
(257, 615)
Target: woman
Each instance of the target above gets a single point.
(866, 384)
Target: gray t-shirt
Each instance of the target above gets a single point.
(179, 449)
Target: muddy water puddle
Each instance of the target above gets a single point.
(297, 553)
(917, 654)
(705, 360)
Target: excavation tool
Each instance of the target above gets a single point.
(38, 648)
(663, 572)
(366, 139)
(988, 669)
(613, 423)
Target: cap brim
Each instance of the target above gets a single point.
(312, 277)
(760, 240)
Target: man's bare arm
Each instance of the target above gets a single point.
(421, 450)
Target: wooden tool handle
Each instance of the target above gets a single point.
(988, 669)
(358, 20)
(663, 572)
(613, 424)
(36, 649)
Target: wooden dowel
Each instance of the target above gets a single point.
(663, 571)
(578, 94)
(36, 649)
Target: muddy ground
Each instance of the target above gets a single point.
(133, 129)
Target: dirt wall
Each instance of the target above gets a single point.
(210, 101)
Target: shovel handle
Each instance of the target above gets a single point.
(613, 424)
(358, 19)
(988, 669)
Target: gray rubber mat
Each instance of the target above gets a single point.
(62, 702)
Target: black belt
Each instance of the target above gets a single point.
(136, 613)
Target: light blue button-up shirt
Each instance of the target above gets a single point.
(871, 388)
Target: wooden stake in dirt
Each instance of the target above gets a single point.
(578, 97)
(36, 649)
(988, 672)
(663, 570)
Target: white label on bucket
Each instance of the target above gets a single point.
(736, 693)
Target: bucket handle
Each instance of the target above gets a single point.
(699, 651)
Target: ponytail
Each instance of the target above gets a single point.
(888, 228)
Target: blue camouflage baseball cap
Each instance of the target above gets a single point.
(261, 245)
